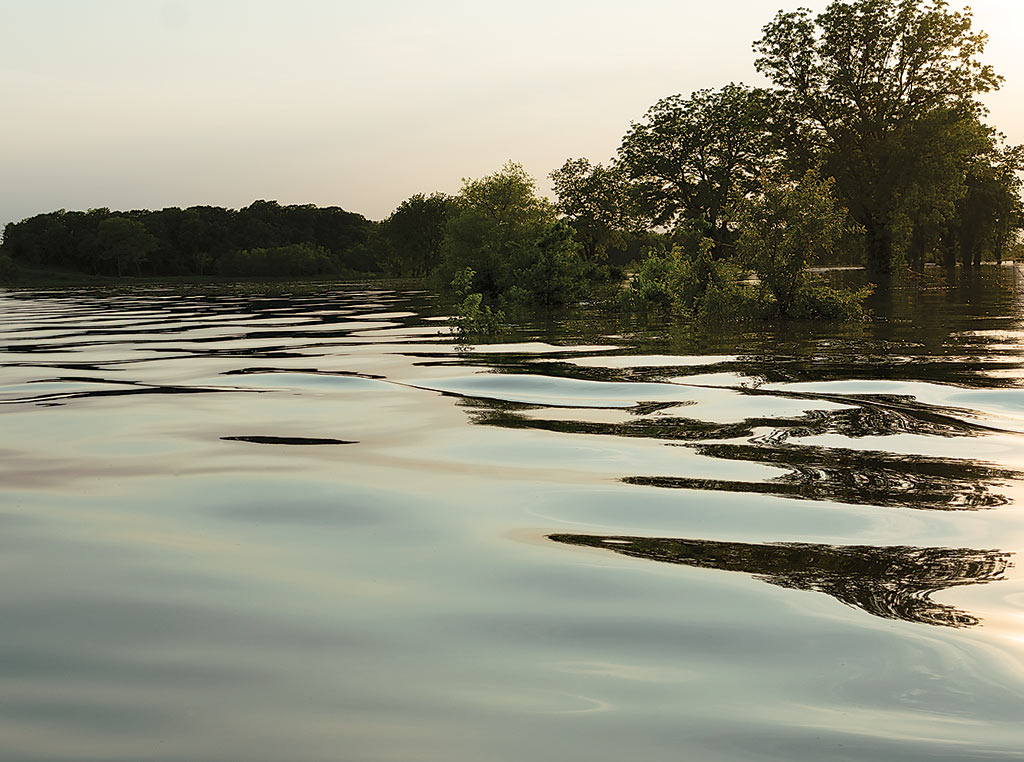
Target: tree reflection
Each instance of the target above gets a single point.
(809, 472)
(889, 582)
(857, 477)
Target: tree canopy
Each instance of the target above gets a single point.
(193, 241)
(864, 86)
(690, 156)
(512, 241)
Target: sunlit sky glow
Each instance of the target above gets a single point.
(148, 103)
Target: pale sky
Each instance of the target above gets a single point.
(133, 104)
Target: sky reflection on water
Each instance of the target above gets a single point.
(310, 525)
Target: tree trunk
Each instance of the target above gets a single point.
(916, 253)
(878, 247)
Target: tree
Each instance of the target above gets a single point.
(785, 229)
(413, 234)
(855, 81)
(125, 242)
(691, 156)
(594, 200)
(512, 240)
(990, 211)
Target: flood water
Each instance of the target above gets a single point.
(310, 526)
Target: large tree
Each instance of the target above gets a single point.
(690, 157)
(594, 199)
(411, 237)
(857, 81)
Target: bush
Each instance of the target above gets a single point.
(512, 241)
(472, 316)
(697, 287)
(784, 230)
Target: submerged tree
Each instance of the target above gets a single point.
(783, 231)
(855, 83)
(513, 242)
(990, 211)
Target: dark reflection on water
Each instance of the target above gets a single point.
(889, 582)
(259, 439)
(841, 475)
(859, 477)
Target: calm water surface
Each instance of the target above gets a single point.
(312, 526)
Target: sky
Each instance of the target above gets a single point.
(143, 104)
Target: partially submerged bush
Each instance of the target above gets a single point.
(784, 230)
(780, 233)
(513, 242)
(472, 316)
(818, 301)
(695, 286)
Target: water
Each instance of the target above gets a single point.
(311, 526)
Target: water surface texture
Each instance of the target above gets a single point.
(308, 526)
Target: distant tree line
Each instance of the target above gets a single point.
(263, 239)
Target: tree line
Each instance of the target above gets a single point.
(262, 239)
(869, 147)
(880, 96)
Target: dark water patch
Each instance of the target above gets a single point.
(97, 367)
(883, 414)
(304, 371)
(262, 353)
(888, 582)
(881, 366)
(129, 389)
(860, 417)
(670, 428)
(259, 439)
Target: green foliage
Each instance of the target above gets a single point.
(786, 228)
(816, 300)
(878, 92)
(594, 199)
(293, 260)
(694, 286)
(780, 233)
(8, 270)
(177, 241)
(472, 316)
(990, 212)
(125, 242)
(690, 156)
(409, 241)
(513, 242)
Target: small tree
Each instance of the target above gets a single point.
(786, 228)
(512, 240)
